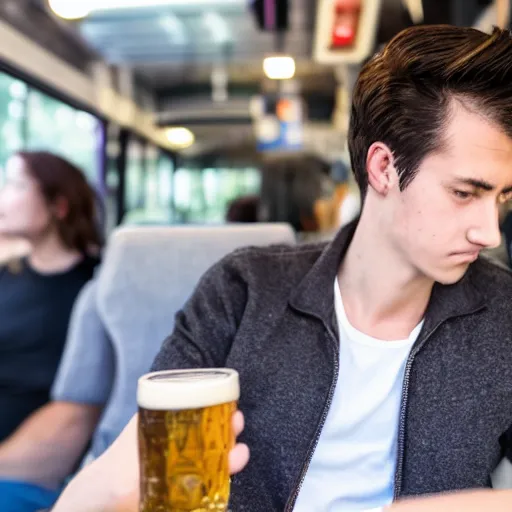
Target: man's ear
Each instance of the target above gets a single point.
(382, 175)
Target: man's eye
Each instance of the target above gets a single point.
(461, 194)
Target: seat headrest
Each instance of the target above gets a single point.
(161, 265)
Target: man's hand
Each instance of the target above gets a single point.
(115, 475)
(239, 456)
(469, 501)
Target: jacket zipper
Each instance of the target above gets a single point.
(401, 427)
(312, 447)
(403, 409)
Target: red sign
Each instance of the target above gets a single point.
(346, 21)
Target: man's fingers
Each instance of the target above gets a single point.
(238, 458)
(238, 423)
(239, 455)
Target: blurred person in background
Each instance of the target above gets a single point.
(308, 194)
(47, 203)
(243, 209)
(297, 189)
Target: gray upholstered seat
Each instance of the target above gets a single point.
(122, 317)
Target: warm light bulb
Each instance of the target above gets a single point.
(180, 138)
(76, 9)
(69, 9)
(279, 67)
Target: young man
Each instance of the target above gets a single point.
(376, 368)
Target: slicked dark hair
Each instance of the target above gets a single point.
(403, 94)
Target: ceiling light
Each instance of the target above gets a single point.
(69, 10)
(180, 138)
(279, 67)
(76, 9)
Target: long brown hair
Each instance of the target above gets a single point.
(59, 178)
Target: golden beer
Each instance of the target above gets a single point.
(185, 436)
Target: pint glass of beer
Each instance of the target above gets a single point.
(185, 436)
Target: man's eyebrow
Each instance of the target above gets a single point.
(481, 184)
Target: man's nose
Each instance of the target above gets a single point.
(487, 232)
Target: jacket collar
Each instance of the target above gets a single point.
(315, 293)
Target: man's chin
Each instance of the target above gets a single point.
(452, 276)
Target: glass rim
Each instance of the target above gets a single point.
(187, 389)
(164, 376)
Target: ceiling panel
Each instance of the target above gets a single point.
(168, 46)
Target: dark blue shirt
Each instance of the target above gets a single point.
(34, 315)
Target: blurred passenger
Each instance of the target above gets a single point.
(293, 187)
(243, 209)
(47, 202)
(338, 210)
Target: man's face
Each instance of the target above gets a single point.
(450, 210)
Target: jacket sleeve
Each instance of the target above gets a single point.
(206, 326)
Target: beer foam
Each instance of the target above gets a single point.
(187, 389)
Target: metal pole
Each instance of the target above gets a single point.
(503, 13)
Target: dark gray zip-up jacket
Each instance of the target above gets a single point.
(269, 313)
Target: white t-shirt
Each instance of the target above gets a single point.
(353, 467)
